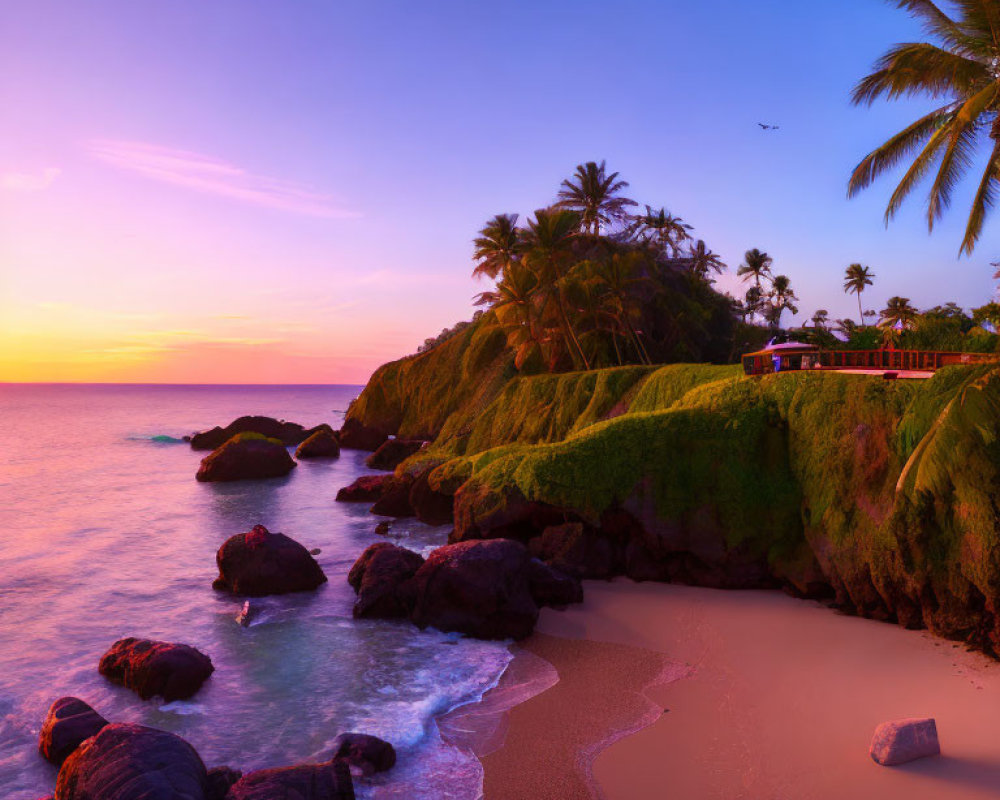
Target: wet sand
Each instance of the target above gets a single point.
(767, 697)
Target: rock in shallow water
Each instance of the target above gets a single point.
(380, 577)
(133, 762)
(70, 721)
(246, 457)
(330, 781)
(150, 668)
(367, 753)
(259, 563)
(322, 444)
(904, 740)
(356, 435)
(288, 433)
(365, 489)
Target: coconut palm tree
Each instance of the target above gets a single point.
(779, 299)
(624, 277)
(513, 300)
(898, 312)
(704, 261)
(595, 196)
(820, 319)
(753, 301)
(498, 244)
(548, 252)
(756, 265)
(856, 278)
(661, 228)
(960, 67)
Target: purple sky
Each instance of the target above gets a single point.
(244, 191)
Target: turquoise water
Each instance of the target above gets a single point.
(106, 533)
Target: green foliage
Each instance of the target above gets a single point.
(253, 436)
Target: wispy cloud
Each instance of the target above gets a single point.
(211, 175)
(29, 181)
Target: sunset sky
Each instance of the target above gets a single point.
(258, 192)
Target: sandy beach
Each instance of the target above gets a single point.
(741, 695)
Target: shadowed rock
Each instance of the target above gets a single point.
(380, 577)
(367, 753)
(322, 444)
(365, 489)
(329, 781)
(246, 456)
(150, 668)
(428, 504)
(904, 740)
(356, 435)
(133, 762)
(552, 587)
(575, 549)
(395, 499)
(259, 563)
(220, 779)
(70, 721)
(288, 433)
(479, 588)
(393, 452)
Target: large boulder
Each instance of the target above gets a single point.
(393, 452)
(380, 577)
(552, 587)
(395, 499)
(577, 549)
(150, 668)
(220, 779)
(355, 435)
(329, 781)
(480, 588)
(368, 754)
(430, 505)
(70, 722)
(132, 762)
(247, 456)
(322, 444)
(366, 489)
(259, 563)
(288, 433)
(904, 740)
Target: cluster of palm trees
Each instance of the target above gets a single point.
(574, 283)
(771, 295)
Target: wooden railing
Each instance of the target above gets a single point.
(904, 360)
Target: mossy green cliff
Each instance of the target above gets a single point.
(882, 495)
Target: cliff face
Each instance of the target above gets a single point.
(880, 495)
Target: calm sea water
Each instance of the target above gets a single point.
(105, 533)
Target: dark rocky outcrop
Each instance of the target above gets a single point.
(393, 452)
(150, 668)
(288, 433)
(329, 781)
(480, 588)
(577, 549)
(220, 779)
(552, 587)
(430, 505)
(246, 456)
(70, 722)
(322, 444)
(395, 498)
(355, 435)
(133, 762)
(366, 489)
(367, 753)
(380, 577)
(259, 563)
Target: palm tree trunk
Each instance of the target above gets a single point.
(861, 314)
(568, 329)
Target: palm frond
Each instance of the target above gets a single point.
(983, 202)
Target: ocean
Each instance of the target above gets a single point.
(105, 533)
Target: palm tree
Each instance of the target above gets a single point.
(780, 298)
(498, 244)
(856, 278)
(595, 196)
(752, 302)
(548, 252)
(898, 312)
(704, 261)
(513, 300)
(624, 276)
(820, 319)
(960, 67)
(662, 228)
(756, 265)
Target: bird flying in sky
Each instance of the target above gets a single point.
(768, 127)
